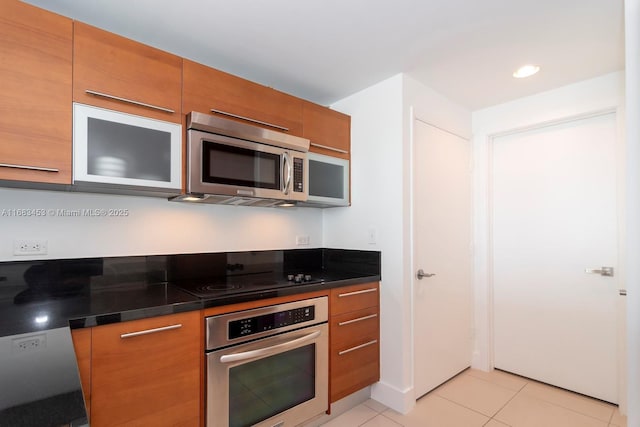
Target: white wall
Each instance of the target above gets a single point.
(381, 118)
(573, 100)
(632, 46)
(153, 226)
(377, 204)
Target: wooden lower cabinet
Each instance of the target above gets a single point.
(354, 331)
(82, 346)
(147, 372)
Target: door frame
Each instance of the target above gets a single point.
(415, 115)
(483, 357)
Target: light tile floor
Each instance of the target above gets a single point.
(490, 399)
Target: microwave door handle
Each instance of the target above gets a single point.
(228, 358)
(286, 162)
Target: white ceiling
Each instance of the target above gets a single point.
(325, 50)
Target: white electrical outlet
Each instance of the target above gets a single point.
(302, 240)
(30, 343)
(30, 247)
(372, 236)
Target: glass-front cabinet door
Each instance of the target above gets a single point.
(113, 149)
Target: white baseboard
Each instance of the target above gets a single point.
(401, 401)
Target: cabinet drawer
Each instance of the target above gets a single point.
(147, 372)
(354, 370)
(207, 89)
(116, 73)
(356, 297)
(354, 328)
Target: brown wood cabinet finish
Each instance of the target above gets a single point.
(150, 379)
(328, 130)
(35, 71)
(354, 331)
(206, 88)
(82, 346)
(113, 65)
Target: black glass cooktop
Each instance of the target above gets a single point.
(230, 285)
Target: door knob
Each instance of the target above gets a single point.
(603, 271)
(421, 274)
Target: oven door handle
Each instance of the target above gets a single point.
(229, 358)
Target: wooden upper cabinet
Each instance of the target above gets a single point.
(207, 89)
(35, 71)
(328, 130)
(125, 75)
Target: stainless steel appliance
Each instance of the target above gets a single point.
(328, 181)
(234, 163)
(268, 366)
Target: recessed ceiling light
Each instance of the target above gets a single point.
(526, 71)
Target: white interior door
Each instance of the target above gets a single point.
(554, 215)
(441, 247)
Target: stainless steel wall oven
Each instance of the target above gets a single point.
(267, 366)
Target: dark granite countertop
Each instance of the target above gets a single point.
(44, 299)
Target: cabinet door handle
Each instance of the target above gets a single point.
(359, 319)
(358, 347)
(151, 331)
(129, 101)
(364, 291)
(32, 168)
(337, 150)
(248, 119)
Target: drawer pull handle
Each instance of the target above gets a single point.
(337, 150)
(359, 319)
(358, 347)
(32, 168)
(248, 119)
(151, 331)
(129, 101)
(364, 291)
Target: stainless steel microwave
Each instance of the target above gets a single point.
(328, 181)
(230, 162)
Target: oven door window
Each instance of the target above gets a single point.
(265, 387)
(225, 164)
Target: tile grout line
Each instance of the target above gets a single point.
(392, 420)
(369, 419)
(463, 406)
(570, 409)
(517, 392)
(491, 417)
(554, 403)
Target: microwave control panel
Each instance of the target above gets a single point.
(298, 175)
(267, 322)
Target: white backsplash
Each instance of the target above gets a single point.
(93, 225)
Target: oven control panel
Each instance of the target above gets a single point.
(248, 325)
(272, 321)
